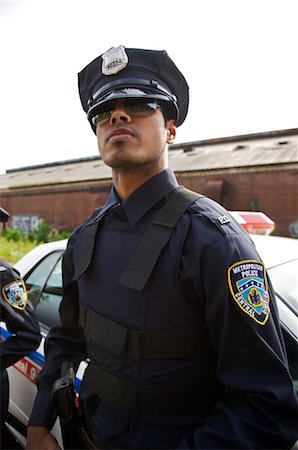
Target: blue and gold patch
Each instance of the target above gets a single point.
(15, 294)
(249, 288)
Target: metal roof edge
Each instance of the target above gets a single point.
(237, 138)
(55, 163)
(182, 145)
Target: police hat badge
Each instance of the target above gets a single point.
(114, 60)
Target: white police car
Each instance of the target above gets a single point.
(41, 270)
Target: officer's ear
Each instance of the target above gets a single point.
(171, 131)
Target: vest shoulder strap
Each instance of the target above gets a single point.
(156, 237)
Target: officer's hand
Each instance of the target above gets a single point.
(40, 438)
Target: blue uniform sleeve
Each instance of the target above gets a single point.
(258, 408)
(64, 343)
(18, 315)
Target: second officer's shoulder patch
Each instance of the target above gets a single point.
(249, 288)
(15, 294)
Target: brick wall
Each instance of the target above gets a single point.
(64, 207)
(273, 192)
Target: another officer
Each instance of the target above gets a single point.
(163, 291)
(17, 314)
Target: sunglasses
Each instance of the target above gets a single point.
(134, 107)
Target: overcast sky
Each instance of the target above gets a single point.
(238, 56)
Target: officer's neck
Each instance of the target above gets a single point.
(128, 181)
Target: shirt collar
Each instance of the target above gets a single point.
(112, 201)
(147, 195)
(143, 199)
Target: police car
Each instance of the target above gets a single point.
(42, 271)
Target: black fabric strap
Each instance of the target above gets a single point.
(86, 250)
(87, 247)
(144, 397)
(156, 237)
(139, 344)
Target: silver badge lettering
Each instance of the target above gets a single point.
(114, 60)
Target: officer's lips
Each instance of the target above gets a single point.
(121, 132)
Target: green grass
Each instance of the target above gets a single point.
(14, 244)
(11, 251)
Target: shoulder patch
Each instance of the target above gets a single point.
(15, 294)
(249, 288)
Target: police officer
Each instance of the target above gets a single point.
(17, 314)
(163, 291)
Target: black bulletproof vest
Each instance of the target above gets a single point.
(108, 335)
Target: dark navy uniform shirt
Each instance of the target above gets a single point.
(209, 280)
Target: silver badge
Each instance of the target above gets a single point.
(114, 60)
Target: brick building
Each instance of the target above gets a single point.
(257, 172)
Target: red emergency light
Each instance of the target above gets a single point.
(254, 222)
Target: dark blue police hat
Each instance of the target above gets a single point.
(135, 73)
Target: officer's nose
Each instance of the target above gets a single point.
(119, 114)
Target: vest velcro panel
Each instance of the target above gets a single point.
(141, 397)
(139, 344)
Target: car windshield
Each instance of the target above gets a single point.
(285, 281)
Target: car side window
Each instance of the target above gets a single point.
(47, 309)
(284, 280)
(292, 353)
(44, 286)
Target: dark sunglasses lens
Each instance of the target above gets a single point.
(141, 107)
(132, 106)
(104, 113)
(101, 117)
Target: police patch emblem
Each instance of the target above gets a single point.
(249, 288)
(114, 60)
(15, 294)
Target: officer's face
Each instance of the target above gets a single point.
(128, 141)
